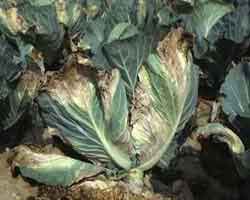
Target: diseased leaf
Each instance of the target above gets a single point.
(166, 98)
(52, 169)
(204, 112)
(222, 134)
(72, 105)
(97, 126)
(115, 105)
(35, 23)
(236, 91)
(68, 11)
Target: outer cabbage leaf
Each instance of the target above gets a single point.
(183, 6)
(221, 134)
(52, 169)
(128, 56)
(205, 15)
(167, 95)
(122, 31)
(92, 125)
(99, 29)
(15, 93)
(35, 22)
(10, 70)
(115, 105)
(94, 36)
(166, 16)
(234, 26)
(19, 99)
(120, 38)
(236, 90)
(68, 12)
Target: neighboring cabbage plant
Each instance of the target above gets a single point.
(18, 86)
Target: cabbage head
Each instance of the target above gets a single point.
(93, 114)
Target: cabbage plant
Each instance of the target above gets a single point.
(93, 112)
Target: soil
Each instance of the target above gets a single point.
(13, 188)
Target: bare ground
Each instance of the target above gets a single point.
(13, 188)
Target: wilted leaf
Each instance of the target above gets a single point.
(166, 98)
(52, 169)
(94, 128)
(222, 134)
(204, 112)
(115, 103)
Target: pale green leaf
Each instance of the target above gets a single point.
(52, 169)
(167, 96)
(236, 91)
(205, 15)
(72, 105)
(234, 26)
